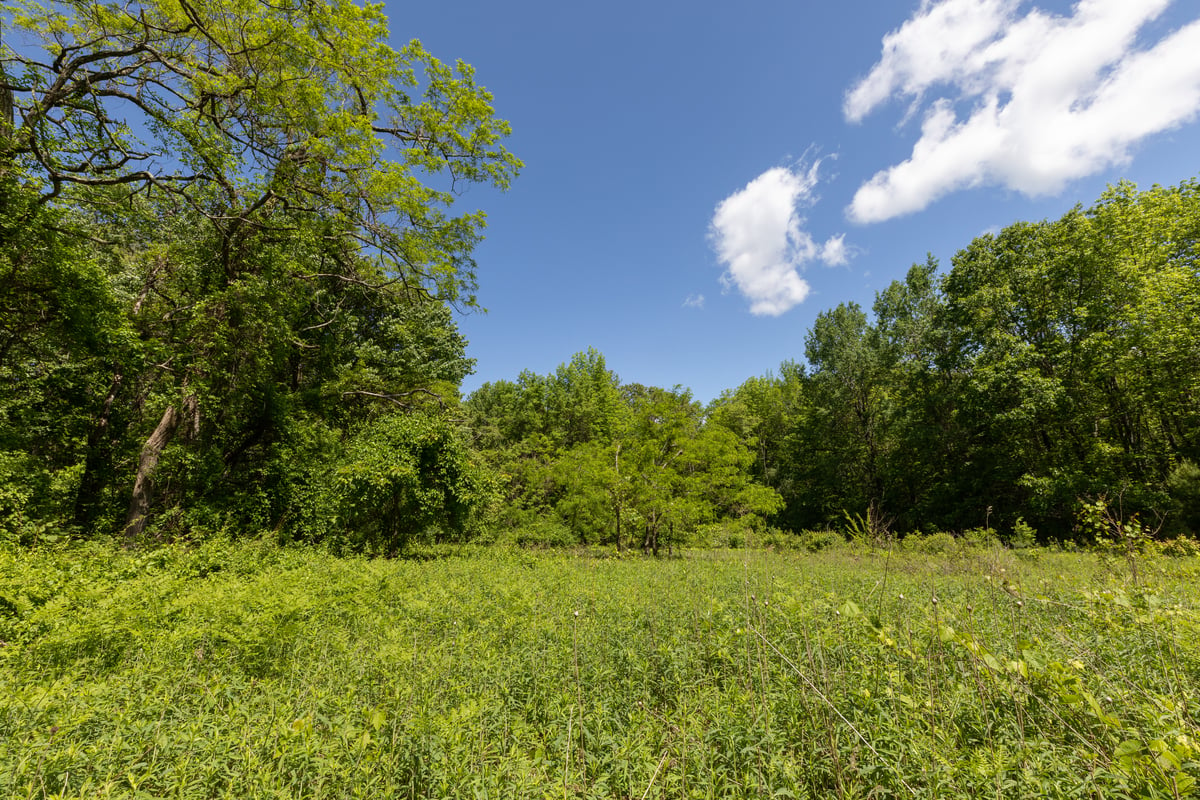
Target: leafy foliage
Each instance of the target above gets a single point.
(402, 477)
(1053, 362)
(245, 669)
(228, 239)
(631, 464)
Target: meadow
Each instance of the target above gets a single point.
(925, 669)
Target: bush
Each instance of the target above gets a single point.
(1184, 486)
(734, 534)
(815, 541)
(544, 533)
(939, 543)
(402, 476)
(983, 538)
(1181, 547)
(34, 501)
(1023, 535)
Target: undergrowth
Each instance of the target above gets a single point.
(244, 670)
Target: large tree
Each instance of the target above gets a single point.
(268, 190)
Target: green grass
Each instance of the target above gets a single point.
(243, 670)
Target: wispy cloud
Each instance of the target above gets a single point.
(758, 234)
(1047, 98)
(694, 301)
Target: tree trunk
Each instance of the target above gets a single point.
(618, 513)
(97, 456)
(7, 118)
(143, 484)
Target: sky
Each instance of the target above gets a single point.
(702, 179)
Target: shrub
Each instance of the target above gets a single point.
(1023, 535)
(980, 537)
(1181, 547)
(815, 541)
(1184, 486)
(546, 532)
(939, 543)
(403, 475)
(734, 534)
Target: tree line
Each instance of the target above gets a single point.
(230, 257)
(1055, 364)
(629, 465)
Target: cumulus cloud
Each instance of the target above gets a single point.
(835, 252)
(1047, 98)
(694, 301)
(758, 234)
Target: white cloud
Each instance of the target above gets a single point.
(834, 252)
(694, 301)
(758, 234)
(1050, 98)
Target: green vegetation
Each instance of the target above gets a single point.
(1054, 363)
(230, 372)
(1054, 366)
(928, 669)
(230, 253)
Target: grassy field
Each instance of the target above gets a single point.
(244, 671)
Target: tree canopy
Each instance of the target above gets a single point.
(229, 244)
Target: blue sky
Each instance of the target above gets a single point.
(702, 179)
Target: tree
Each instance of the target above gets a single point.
(683, 471)
(765, 414)
(406, 476)
(1076, 342)
(928, 453)
(847, 439)
(270, 190)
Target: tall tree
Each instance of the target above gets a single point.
(272, 187)
(847, 439)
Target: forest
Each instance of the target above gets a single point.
(231, 255)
